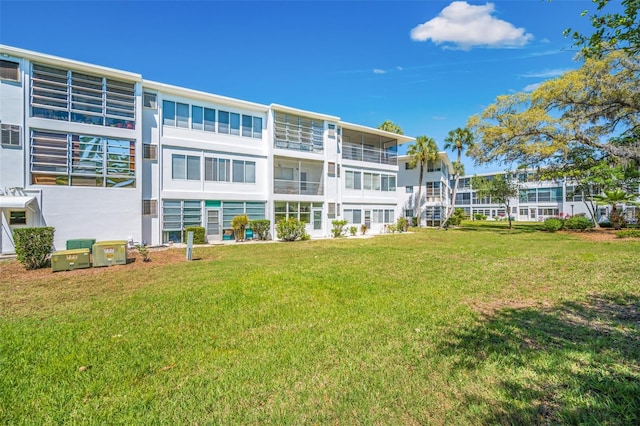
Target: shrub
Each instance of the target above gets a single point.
(363, 229)
(578, 223)
(353, 230)
(552, 224)
(414, 221)
(402, 224)
(605, 224)
(239, 223)
(391, 228)
(33, 246)
(144, 252)
(456, 218)
(198, 234)
(628, 233)
(338, 227)
(261, 228)
(479, 216)
(291, 229)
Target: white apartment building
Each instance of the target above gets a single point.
(102, 153)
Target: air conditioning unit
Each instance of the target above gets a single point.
(81, 243)
(67, 260)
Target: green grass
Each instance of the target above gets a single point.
(479, 325)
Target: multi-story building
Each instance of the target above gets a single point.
(101, 153)
(436, 189)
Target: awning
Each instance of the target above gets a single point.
(14, 202)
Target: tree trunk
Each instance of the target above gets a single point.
(419, 202)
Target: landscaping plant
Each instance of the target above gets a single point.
(33, 246)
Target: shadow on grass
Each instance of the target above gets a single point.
(574, 363)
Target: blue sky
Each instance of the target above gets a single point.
(426, 65)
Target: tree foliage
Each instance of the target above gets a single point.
(423, 150)
(612, 31)
(596, 106)
(613, 198)
(502, 189)
(390, 126)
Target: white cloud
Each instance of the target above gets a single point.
(379, 71)
(466, 26)
(531, 87)
(547, 74)
(399, 68)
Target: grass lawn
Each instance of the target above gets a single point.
(478, 325)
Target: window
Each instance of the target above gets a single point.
(185, 167)
(149, 207)
(244, 171)
(231, 209)
(257, 127)
(353, 216)
(209, 120)
(150, 100)
(81, 160)
(217, 170)
(176, 216)
(408, 189)
(352, 180)
(388, 183)
(223, 122)
(168, 113)
(9, 70)
(298, 133)
(331, 169)
(331, 212)
(197, 118)
(61, 94)
(17, 217)
(332, 131)
(149, 152)
(247, 125)
(182, 115)
(10, 135)
(234, 123)
(463, 198)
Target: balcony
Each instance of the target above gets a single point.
(297, 187)
(368, 154)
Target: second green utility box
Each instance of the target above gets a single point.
(81, 243)
(107, 253)
(67, 260)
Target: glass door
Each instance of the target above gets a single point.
(213, 225)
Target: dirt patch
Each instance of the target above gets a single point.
(13, 271)
(602, 234)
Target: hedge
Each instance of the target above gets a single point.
(33, 246)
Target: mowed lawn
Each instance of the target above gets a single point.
(478, 325)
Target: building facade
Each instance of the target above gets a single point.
(102, 153)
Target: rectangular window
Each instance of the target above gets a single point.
(408, 189)
(298, 133)
(182, 115)
(331, 169)
(234, 123)
(149, 152)
(353, 179)
(10, 135)
(150, 100)
(209, 120)
(331, 212)
(331, 131)
(388, 183)
(9, 70)
(168, 113)
(185, 167)
(217, 170)
(223, 122)
(176, 216)
(257, 127)
(17, 217)
(149, 207)
(544, 195)
(80, 160)
(196, 118)
(247, 125)
(244, 171)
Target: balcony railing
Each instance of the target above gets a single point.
(298, 146)
(297, 187)
(371, 155)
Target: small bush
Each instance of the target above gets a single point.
(239, 223)
(291, 229)
(628, 233)
(479, 216)
(353, 230)
(414, 221)
(363, 229)
(33, 246)
(261, 228)
(198, 234)
(456, 218)
(391, 228)
(578, 223)
(552, 224)
(402, 224)
(605, 224)
(338, 227)
(144, 252)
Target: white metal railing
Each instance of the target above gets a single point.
(371, 155)
(297, 187)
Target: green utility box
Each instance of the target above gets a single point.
(107, 253)
(81, 243)
(67, 260)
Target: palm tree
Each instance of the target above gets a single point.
(423, 150)
(390, 126)
(457, 141)
(613, 198)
